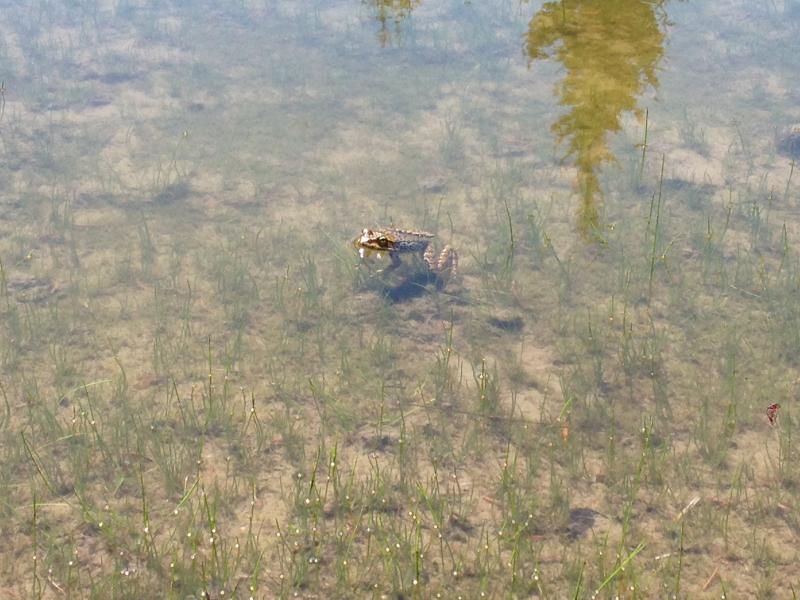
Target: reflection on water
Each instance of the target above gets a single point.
(390, 14)
(610, 51)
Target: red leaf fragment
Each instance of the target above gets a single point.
(772, 413)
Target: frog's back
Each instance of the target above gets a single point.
(408, 240)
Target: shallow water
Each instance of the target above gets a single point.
(205, 389)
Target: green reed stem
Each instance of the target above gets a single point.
(680, 564)
(655, 231)
(36, 462)
(644, 142)
(36, 586)
(580, 583)
(620, 567)
(788, 181)
(510, 257)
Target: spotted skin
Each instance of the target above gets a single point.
(399, 242)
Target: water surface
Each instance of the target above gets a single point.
(205, 390)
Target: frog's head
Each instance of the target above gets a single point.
(375, 240)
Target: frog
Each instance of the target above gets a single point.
(397, 243)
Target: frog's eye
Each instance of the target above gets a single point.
(383, 241)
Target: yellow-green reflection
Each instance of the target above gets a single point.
(610, 50)
(394, 12)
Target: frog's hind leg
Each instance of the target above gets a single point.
(430, 260)
(448, 262)
(446, 266)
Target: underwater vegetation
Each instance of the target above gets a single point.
(209, 389)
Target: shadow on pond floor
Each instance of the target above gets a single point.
(411, 287)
